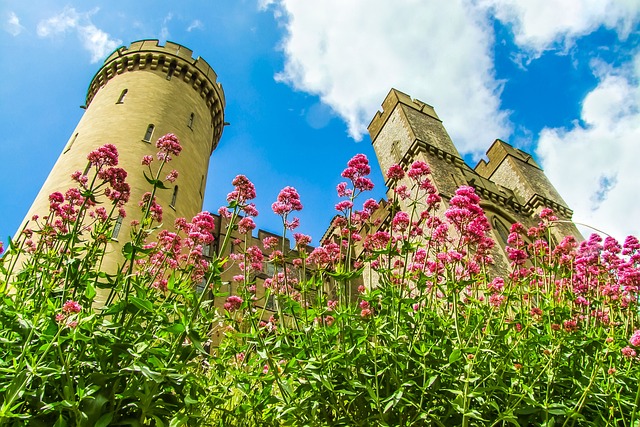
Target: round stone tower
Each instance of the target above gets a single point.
(142, 92)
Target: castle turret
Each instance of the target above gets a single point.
(511, 184)
(141, 93)
(407, 130)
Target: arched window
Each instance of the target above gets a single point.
(116, 228)
(501, 229)
(122, 95)
(190, 124)
(70, 144)
(149, 133)
(174, 197)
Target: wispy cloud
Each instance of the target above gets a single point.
(96, 41)
(195, 25)
(164, 30)
(12, 24)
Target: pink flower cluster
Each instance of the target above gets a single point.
(395, 172)
(325, 256)
(233, 303)
(243, 192)
(155, 209)
(288, 201)
(171, 251)
(357, 170)
(168, 145)
(71, 307)
(107, 155)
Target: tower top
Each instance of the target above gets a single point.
(171, 60)
(395, 97)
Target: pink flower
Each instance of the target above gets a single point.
(343, 191)
(293, 224)
(400, 221)
(547, 214)
(107, 155)
(270, 242)
(329, 320)
(224, 212)
(628, 352)
(365, 312)
(635, 338)
(395, 172)
(344, 205)
(302, 240)
(418, 170)
(244, 190)
(173, 175)
(71, 307)
(146, 160)
(570, 325)
(80, 178)
(168, 145)
(496, 285)
(496, 299)
(357, 170)
(233, 303)
(370, 205)
(245, 225)
(288, 201)
(402, 192)
(536, 312)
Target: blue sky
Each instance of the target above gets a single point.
(302, 80)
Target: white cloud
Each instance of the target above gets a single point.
(595, 164)
(539, 25)
(352, 53)
(12, 24)
(164, 30)
(60, 23)
(195, 25)
(96, 41)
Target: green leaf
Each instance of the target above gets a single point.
(176, 328)
(155, 182)
(115, 308)
(455, 355)
(90, 291)
(142, 304)
(178, 420)
(61, 422)
(104, 420)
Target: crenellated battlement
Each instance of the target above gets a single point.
(395, 97)
(171, 60)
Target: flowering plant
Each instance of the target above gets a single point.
(400, 317)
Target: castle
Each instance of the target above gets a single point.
(147, 90)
